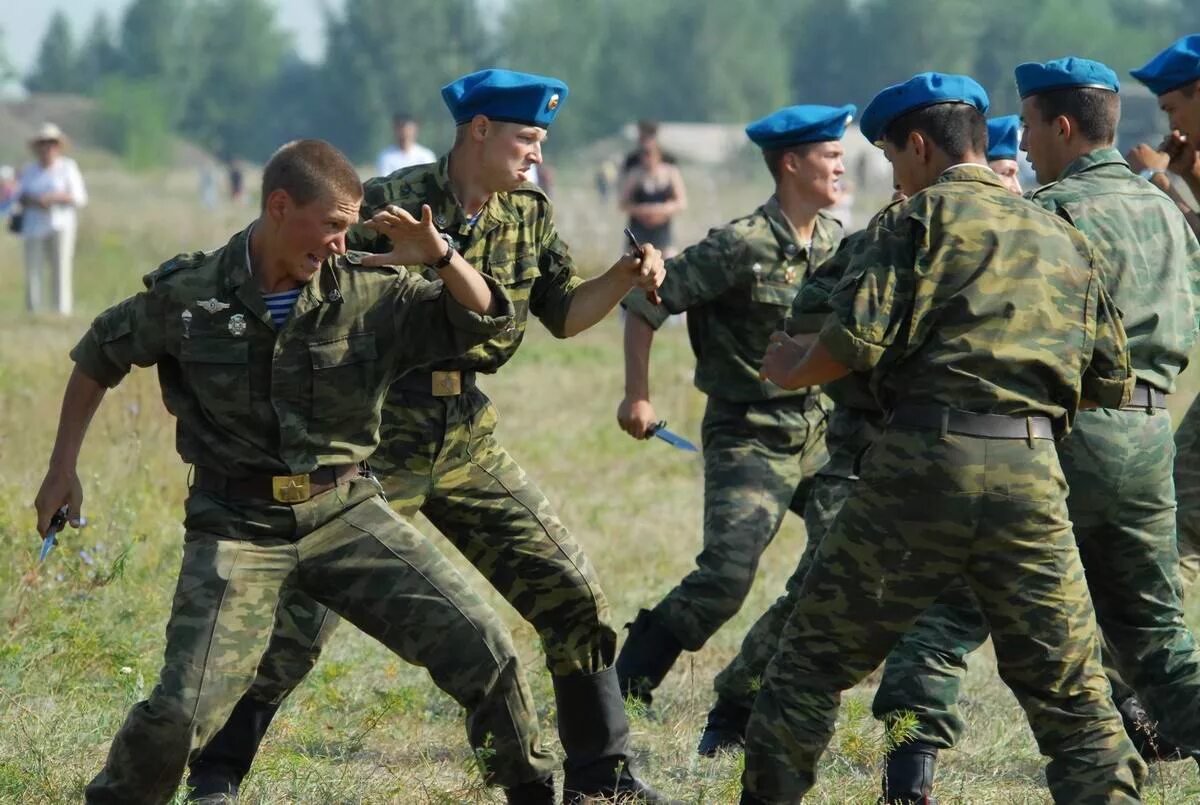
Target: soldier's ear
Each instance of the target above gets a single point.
(1064, 126)
(276, 204)
(479, 127)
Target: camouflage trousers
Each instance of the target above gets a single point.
(850, 431)
(759, 462)
(1187, 492)
(931, 510)
(439, 456)
(348, 550)
(1119, 467)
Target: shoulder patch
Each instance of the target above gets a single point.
(177, 263)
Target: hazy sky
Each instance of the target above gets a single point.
(23, 32)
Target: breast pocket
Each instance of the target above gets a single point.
(345, 373)
(217, 370)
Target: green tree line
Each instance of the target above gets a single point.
(223, 73)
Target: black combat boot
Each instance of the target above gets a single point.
(537, 792)
(595, 739)
(725, 730)
(908, 777)
(1141, 730)
(217, 772)
(647, 656)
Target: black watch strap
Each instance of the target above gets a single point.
(448, 256)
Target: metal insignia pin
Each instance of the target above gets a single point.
(335, 295)
(790, 274)
(237, 324)
(440, 220)
(756, 268)
(212, 305)
(186, 319)
(790, 250)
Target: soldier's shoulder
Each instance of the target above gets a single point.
(746, 227)
(183, 267)
(832, 220)
(528, 201)
(398, 187)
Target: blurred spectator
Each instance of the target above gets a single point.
(406, 151)
(8, 190)
(237, 180)
(647, 132)
(652, 195)
(606, 178)
(51, 190)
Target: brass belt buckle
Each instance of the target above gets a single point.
(447, 384)
(290, 488)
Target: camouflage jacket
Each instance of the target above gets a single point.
(737, 286)
(1152, 255)
(970, 297)
(252, 399)
(512, 240)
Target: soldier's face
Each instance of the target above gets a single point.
(509, 151)
(907, 168)
(1183, 110)
(1041, 140)
(818, 171)
(1007, 170)
(307, 234)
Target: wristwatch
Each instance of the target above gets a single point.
(445, 259)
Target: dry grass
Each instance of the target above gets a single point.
(365, 727)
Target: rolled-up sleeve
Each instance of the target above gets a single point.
(873, 300)
(131, 333)
(699, 274)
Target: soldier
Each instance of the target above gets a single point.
(762, 444)
(439, 455)
(1004, 135)
(275, 417)
(1174, 76)
(964, 482)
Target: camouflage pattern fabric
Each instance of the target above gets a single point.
(934, 508)
(513, 241)
(1119, 467)
(315, 404)
(929, 511)
(762, 444)
(349, 551)
(759, 462)
(736, 286)
(1187, 492)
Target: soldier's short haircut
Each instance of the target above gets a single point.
(955, 128)
(1095, 112)
(774, 157)
(308, 170)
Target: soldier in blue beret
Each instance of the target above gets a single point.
(1125, 528)
(762, 444)
(961, 501)
(438, 454)
(1004, 137)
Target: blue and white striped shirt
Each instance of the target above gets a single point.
(280, 304)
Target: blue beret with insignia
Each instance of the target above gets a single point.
(1177, 65)
(923, 89)
(506, 95)
(796, 125)
(1004, 137)
(1069, 73)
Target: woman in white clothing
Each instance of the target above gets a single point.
(51, 192)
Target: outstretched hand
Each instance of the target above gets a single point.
(413, 242)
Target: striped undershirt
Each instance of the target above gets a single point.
(280, 304)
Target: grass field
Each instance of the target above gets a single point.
(82, 635)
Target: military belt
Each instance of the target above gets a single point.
(1146, 396)
(445, 383)
(992, 426)
(280, 488)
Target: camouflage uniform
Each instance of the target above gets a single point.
(936, 505)
(1187, 491)
(1118, 465)
(253, 401)
(762, 444)
(438, 455)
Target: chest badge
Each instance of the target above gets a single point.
(212, 305)
(757, 269)
(790, 250)
(185, 318)
(790, 274)
(237, 325)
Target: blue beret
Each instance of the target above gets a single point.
(505, 95)
(1174, 67)
(1004, 136)
(1034, 77)
(795, 125)
(923, 89)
